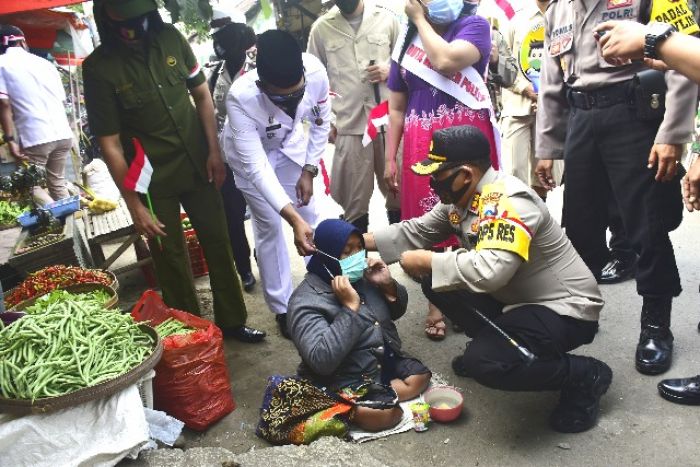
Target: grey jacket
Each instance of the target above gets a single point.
(339, 347)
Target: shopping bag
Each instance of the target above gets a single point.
(192, 380)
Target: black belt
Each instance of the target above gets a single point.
(619, 93)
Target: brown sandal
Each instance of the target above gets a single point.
(435, 329)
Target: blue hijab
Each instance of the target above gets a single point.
(331, 236)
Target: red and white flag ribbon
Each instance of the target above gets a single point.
(378, 116)
(138, 177)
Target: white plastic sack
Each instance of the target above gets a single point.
(99, 433)
(100, 181)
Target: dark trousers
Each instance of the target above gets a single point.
(606, 156)
(620, 247)
(203, 205)
(234, 206)
(495, 363)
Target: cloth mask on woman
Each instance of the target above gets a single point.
(444, 11)
(330, 239)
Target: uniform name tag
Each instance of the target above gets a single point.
(273, 127)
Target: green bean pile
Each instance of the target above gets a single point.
(171, 327)
(69, 346)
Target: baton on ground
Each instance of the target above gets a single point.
(527, 356)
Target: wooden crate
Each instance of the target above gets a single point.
(62, 252)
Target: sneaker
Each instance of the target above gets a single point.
(579, 403)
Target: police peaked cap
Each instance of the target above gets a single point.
(279, 60)
(454, 146)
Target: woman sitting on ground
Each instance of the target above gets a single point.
(340, 319)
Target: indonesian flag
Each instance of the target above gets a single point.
(378, 116)
(506, 7)
(139, 175)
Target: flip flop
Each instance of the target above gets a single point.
(439, 327)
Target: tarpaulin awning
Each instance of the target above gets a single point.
(40, 26)
(15, 6)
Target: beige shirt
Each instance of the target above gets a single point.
(346, 54)
(554, 275)
(223, 84)
(572, 58)
(515, 104)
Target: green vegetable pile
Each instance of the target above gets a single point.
(9, 210)
(69, 346)
(97, 297)
(172, 327)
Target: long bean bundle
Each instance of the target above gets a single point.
(171, 327)
(67, 347)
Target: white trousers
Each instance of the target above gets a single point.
(271, 251)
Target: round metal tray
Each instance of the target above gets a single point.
(50, 404)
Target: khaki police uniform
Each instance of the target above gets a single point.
(234, 202)
(346, 54)
(517, 266)
(145, 95)
(518, 127)
(223, 84)
(588, 114)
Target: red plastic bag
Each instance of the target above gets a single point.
(192, 381)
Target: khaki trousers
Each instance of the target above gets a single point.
(52, 157)
(353, 172)
(518, 150)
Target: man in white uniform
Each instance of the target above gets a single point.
(31, 101)
(273, 162)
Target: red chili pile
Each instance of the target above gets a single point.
(54, 277)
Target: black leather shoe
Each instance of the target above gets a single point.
(618, 270)
(579, 403)
(282, 323)
(248, 280)
(655, 350)
(459, 368)
(244, 334)
(681, 391)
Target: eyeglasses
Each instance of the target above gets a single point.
(281, 98)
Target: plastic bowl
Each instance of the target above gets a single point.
(446, 403)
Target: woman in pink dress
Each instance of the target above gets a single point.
(454, 38)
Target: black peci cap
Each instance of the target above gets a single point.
(452, 146)
(279, 61)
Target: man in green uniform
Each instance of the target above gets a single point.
(138, 85)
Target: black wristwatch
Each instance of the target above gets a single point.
(8, 138)
(656, 34)
(312, 169)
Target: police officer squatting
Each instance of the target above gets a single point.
(485, 120)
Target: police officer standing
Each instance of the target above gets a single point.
(354, 41)
(516, 267)
(138, 85)
(622, 142)
(232, 38)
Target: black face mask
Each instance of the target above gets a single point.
(234, 58)
(132, 29)
(443, 188)
(347, 6)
